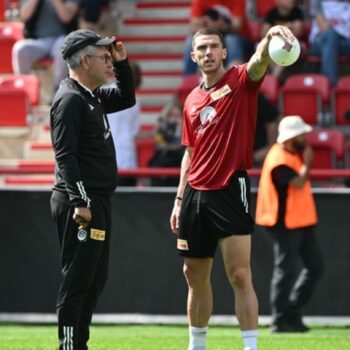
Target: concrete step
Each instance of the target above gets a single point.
(155, 97)
(160, 62)
(35, 150)
(153, 44)
(154, 26)
(167, 9)
(150, 114)
(161, 81)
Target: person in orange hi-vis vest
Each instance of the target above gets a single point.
(286, 208)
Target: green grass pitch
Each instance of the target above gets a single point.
(146, 337)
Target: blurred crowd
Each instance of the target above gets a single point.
(322, 27)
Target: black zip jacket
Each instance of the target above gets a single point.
(81, 137)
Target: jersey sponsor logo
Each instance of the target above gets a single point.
(207, 114)
(182, 244)
(216, 95)
(98, 235)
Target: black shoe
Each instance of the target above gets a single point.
(286, 327)
(294, 318)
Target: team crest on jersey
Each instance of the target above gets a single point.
(207, 114)
(216, 95)
(82, 236)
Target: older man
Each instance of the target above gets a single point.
(86, 174)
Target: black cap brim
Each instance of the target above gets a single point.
(105, 42)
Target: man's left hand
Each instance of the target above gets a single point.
(118, 51)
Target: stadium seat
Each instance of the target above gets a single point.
(341, 101)
(145, 149)
(270, 88)
(28, 83)
(328, 146)
(10, 32)
(306, 95)
(263, 7)
(15, 108)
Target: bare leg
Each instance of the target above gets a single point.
(200, 298)
(236, 255)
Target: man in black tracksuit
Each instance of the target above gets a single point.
(86, 174)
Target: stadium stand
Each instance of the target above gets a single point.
(145, 149)
(313, 61)
(306, 95)
(29, 83)
(270, 88)
(341, 101)
(328, 146)
(15, 108)
(154, 33)
(255, 29)
(10, 32)
(263, 7)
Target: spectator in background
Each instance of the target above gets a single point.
(286, 207)
(330, 34)
(125, 125)
(266, 129)
(46, 23)
(169, 150)
(287, 13)
(226, 16)
(91, 13)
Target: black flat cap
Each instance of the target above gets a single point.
(81, 38)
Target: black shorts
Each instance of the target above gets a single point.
(207, 216)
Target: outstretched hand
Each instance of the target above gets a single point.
(282, 31)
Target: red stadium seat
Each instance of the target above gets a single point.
(15, 108)
(270, 88)
(328, 146)
(305, 95)
(28, 83)
(10, 32)
(145, 149)
(341, 101)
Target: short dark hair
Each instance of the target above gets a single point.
(208, 31)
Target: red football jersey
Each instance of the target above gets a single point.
(220, 126)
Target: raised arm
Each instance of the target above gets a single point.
(260, 60)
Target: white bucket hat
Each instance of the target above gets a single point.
(292, 126)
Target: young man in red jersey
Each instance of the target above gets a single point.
(212, 201)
